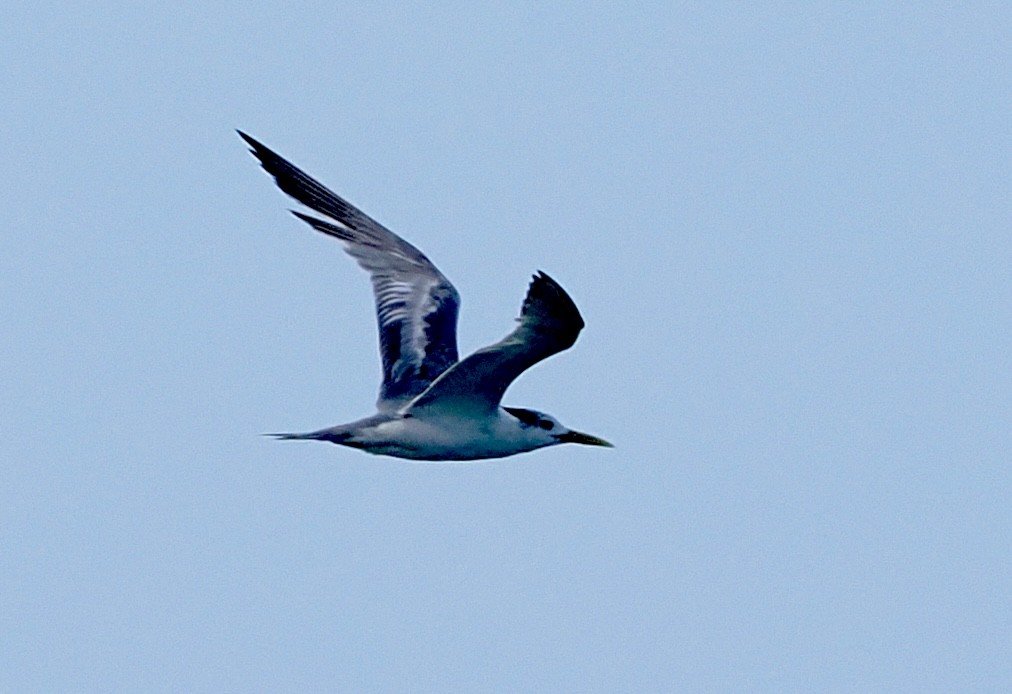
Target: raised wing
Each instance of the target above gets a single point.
(416, 306)
(549, 323)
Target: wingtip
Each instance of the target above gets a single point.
(542, 280)
(257, 148)
(545, 290)
(249, 140)
(541, 276)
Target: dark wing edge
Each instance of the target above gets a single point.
(296, 183)
(549, 323)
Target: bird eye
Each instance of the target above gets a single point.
(545, 424)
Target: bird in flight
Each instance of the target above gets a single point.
(432, 406)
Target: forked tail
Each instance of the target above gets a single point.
(311, 436)
(344, 434)
(337, 434)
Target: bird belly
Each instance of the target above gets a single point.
(447, 439)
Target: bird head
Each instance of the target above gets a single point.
(549, 431)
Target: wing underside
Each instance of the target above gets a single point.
(416, 306)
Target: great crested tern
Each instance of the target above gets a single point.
(432, 406)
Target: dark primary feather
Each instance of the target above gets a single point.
(307, 190)
(549, 324)
(416, 306)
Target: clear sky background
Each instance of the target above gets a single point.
(786, 224)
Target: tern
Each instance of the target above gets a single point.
(431, 406)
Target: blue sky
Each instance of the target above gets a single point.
(787, 227)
